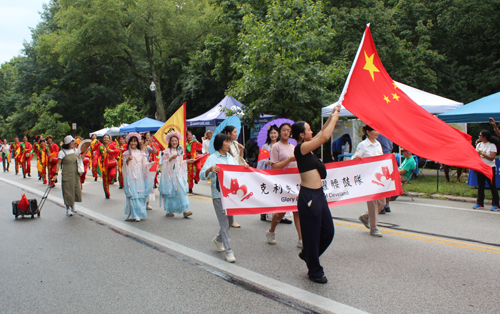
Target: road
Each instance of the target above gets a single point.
(434, 257)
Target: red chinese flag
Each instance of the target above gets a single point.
(263, 154)
(372, 96)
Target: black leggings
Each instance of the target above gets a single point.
(317, 227)
(481, 179)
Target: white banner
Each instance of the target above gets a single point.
(253, 191)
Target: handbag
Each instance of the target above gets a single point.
(81, 167)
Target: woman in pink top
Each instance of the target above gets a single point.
(282, 157)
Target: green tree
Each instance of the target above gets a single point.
(125, 112)
(281, 69)
(144, 34)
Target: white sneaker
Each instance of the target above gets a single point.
(138, 220)
(149, 207)
(218, 245)
(299, 244)
(375, 233)
(73, 209)
(271, 237)
(230, 257)
(69, 213)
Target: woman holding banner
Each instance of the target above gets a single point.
(222, 242)
(282, 156)
(367, 148)
(315, 218)
(273, 135)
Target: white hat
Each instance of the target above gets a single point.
(68, 139)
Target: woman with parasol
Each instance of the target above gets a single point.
(173, 183)
(138, 180)
(83, 150)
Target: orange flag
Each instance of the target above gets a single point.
(177, 122)
(372, 96)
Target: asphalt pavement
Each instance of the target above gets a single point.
(435, 256)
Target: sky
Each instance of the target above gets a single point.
(16, 17)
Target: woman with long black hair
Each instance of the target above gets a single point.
(315, 217)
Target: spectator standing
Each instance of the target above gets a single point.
(338, 144)
(70, 178)
(487, 151)
(5, 155)
(370, 147)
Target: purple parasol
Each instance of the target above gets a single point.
(262, 136)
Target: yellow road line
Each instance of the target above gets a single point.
(409, 235)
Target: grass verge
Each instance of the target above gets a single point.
(428, 186)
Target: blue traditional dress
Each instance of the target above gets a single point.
(138, 183)
(173, 183)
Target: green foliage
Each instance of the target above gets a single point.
(37, 117)
(281, 71)
(91, 61)
(125, 112)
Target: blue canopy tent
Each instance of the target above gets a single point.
(143, 125)
(216, 115)
(478, 111)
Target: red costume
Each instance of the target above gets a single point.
(53, 150)
(194, 169)
(108, 165)
(25, 158)
(94, 158)
(42, 160)
(16, 150)
(122, 148)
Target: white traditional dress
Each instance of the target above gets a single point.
(138, 183)
(173, 183)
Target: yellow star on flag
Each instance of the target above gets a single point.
(395, 86)
(369, 66)
(386, 99)
(395, 96)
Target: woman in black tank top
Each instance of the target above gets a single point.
(315, 217)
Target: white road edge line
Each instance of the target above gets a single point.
(301, 295)
(449, 207)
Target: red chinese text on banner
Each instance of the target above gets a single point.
(253, 191)
(372, 96)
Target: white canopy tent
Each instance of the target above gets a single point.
(115, 131)
(432, 103)
(99, 133)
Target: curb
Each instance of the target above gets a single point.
(448, 197)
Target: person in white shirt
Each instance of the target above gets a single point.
(487, 151)
(5, 149)
(370, 147)
(206, 142)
